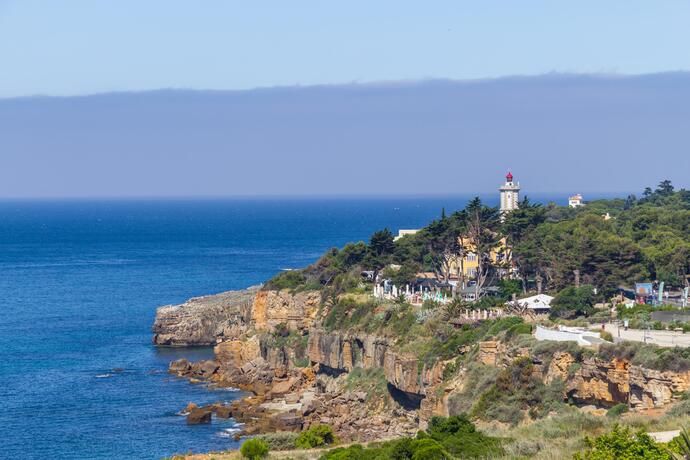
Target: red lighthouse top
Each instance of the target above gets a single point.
(509, 177)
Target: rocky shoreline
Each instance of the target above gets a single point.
(286, 395)
(273, 344)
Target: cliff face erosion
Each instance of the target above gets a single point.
(369, 385)
(203, 321)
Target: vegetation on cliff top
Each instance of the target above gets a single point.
(646, 238)
(517, 391)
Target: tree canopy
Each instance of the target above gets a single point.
(608, 243)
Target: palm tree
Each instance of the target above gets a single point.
(683, 443)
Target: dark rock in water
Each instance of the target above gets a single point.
(179, 367)
(118, 369)
(189, 408)
(195, 372)
(199, 415)
(223, 412)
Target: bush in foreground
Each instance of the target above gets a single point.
(280, 440)
(622, 443)
(254, 449)
(446, 438)
(316, 436)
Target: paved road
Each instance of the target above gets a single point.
(664, 436)
(661, 338)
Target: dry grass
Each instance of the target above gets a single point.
(297, 454)
(552, 438)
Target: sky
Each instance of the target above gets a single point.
(75, 47)
(556, 133)
(163, 98)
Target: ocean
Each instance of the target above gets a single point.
(80, 282)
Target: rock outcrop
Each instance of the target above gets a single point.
(598, 382)
(195, 372)
(199, 415)
(344, 352)
(203, 321)
(296, 311)
(651, 388)
(617, 381)
(559, 368)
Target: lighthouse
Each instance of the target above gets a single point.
(510, 194)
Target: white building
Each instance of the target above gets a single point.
(510, 194)
(539, 304)
(575, 201)
(405, 232)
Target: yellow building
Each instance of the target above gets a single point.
(467, 262)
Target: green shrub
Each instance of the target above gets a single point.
(649, 356)
(622, 443)
(372, 381)
(446, 438)
(522, 328)
(516, 390)
(680, 445)
(428, 449)
(450, 370)
(347, 313)
(301, 362)
(280, 440)
(291, 279)
(254, 449)
(502, 324)
(459, 436)
(617, 410)
(572, 302)
(478, 378)
(681, 408)
(316, 436)
(356, 452)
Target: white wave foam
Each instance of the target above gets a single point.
(230, 389)
(229, 432)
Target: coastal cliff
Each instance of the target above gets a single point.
(600, 382)
(295, 311)
(370, 385)
(203, 321)
(344, 352)
(619, 382)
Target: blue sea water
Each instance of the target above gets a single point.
(79, 285)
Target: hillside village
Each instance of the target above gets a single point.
(514, 319)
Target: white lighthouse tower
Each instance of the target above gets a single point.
(510, 194)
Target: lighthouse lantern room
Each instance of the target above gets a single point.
(510, 194)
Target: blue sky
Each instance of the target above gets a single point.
(90, 46)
